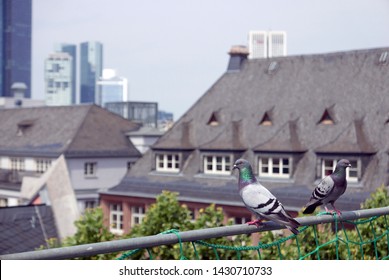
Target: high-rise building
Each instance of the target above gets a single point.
(15, 45)
(91, 66)
(58, 79)
(72, 51)
(111, 88)
(263, 44)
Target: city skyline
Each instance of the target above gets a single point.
(172, 52)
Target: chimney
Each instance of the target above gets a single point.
(238, 55)
(18, 90)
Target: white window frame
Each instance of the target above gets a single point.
(116, 218)
(167, 162)
(217, 164)
(272, 165)
(42, 165)
(355, 167)
(17, 164)
(90, 169)
(137, 215)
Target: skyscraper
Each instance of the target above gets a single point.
(111, 88)
(263, 44)
(72, 51)
(91, 65)
(15, 45)
(58, 79)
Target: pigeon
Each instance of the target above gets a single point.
(260, 201)
(329, 189)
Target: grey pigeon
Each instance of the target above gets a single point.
(260, 201)
(329, 189)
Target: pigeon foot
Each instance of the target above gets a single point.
(257, 223)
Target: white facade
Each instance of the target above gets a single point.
(107, 173)
(263, 44)
(58, 79)
(111, 88)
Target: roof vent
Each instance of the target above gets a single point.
(383, 58)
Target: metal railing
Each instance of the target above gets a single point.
(185, 236)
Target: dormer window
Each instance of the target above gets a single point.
(266, 120)
(213, 120)
(167, 162)
(326, 118)
(217, 164)
(23, 126)
(353, 173)
(277, 167)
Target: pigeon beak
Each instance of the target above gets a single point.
(234, 167)
(349, 165)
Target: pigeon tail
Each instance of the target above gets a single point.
(310, 207)
(294, 230)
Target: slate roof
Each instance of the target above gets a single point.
(76, 131)
(295, 92)
(25, 228)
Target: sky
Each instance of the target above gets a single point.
(173, 51)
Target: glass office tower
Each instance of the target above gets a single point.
(91, 66)
(15, 45)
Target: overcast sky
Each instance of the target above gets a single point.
(172, 51)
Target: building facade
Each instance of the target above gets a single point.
(111, 88)
(71, 49)
(145, 113)
(15, 45)
(264, 44)
(59, 79)
(292, 122)
(91, 67)
(92, 140)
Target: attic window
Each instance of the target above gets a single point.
(23, 126)
(213, 120)
(266, 121)
(326, 118)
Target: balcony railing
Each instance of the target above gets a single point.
(192, 236)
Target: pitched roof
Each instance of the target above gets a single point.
(352, 140)
(25, 228)
(82, 130)
(351, 86)
(284, 140)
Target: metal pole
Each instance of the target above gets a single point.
(187, 236)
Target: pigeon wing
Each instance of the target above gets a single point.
(259, 200)
(264, 204)
(320, 193)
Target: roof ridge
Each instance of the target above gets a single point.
(77, 131)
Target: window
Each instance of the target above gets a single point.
(3, 202)
(17, 164)
(90, 204)
(116, 218)
(42, 165)
(217, 165)
(168, 162)
(280, 167)
(129, 165)
(241, 220)
(352, 173)
(90, 169)
(137, 215)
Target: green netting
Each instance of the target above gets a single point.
(360, 239)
